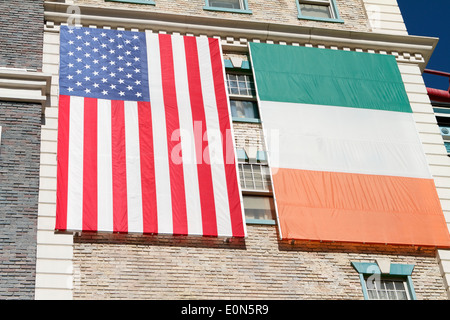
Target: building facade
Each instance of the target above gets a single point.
(263, 265)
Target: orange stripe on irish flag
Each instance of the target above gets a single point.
(348, 207)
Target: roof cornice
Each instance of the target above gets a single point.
(235, 34)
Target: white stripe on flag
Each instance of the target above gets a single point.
(134, 191)
(104, 168)
(162, 174)
(193, 207)
(353, 140)
(214, 139)
(75, 165)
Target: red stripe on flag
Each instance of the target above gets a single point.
(63, 162)
(209, 220)
(90, 165)
(149, 208)
(179, 214)
(234, 198)
(119, 174)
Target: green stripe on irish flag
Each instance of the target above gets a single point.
(328, 77)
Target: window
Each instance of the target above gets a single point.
(256, 187)
(244, 110)
(241, 84)
(322, 10)
(258, 209)
(239, 6)
(386, 289)
(241, 89)
(254, 177)
(393, 284)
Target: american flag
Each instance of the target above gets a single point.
(144, 135)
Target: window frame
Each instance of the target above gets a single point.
(260, 221)
(397, 271)
(256, 168)
(246, 72)
(331, 3)
(248, 80)
(244, 8)
(242, 160)
(243, 119)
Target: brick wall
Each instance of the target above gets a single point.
(19, 185)
(21, 34)
(276, 11)
(261, 267)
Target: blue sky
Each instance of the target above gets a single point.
(431, 18)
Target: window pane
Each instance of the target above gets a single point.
(258, 180)
(248, 176)
(447, 146)
(240, 84)
(244, 109)
(383, 295)
(251, 111)
(253, 90)
(266, 177)
(386, 289)
(402, 295)
(390, 285)
(243, 90)
(232, 83)
(241, 176)
(391, 295)
(372, 294)
(258, 207)
(239, 107)
(255, 177)
(399, 285)
(231, 4)
(318, 11)
(241, 78)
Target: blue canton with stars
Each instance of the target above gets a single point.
(103, 64)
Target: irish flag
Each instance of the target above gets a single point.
(346, 159)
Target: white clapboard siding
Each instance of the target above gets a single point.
(385, 16)
(434, 148)
(54, 264)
